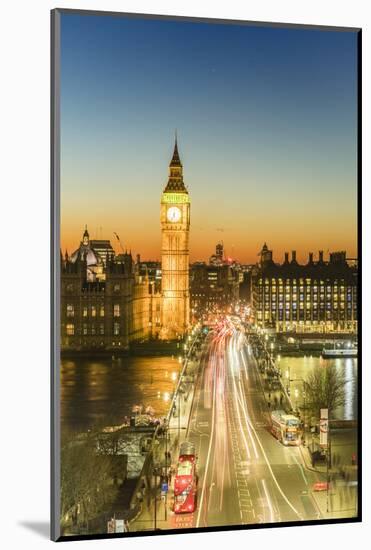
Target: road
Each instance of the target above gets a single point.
(245, 475)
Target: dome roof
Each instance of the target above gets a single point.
(92, 257)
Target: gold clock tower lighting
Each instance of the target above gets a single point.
(175, 219)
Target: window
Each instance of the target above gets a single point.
(70, 329)
(93, 330)
(101, 311)
(69, 288)
(116, 329)
(116, 287)
(116, 310)
(70, 310)
(93, 311)
(101, 329)
(85, 311)
(85, 329)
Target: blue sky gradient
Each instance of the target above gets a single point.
(266, 121)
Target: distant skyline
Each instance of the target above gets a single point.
(267, 134)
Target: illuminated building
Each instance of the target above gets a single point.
(105, 306)
(175, 222)
(94, 261)
(103, 248)
(318, 297)
(218, 257)
(213, 288)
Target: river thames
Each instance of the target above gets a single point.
(300, 367)
(102, 392)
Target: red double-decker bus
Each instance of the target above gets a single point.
(185, 481)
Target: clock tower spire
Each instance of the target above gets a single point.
(175, 181)
(175, 222)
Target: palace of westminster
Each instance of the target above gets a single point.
(109, 301)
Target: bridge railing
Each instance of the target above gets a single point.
(143, 487)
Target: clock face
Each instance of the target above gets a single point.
(173, 214)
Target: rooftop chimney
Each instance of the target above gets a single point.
(310, 257)
(320, 256)
(286, 257)
(293, 256)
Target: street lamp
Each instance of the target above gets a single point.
(304, 396)
(166, 396)
(288, 381)
(296, 391)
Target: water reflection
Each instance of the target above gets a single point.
(300, 367)
(99, 393)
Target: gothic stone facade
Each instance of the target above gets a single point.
(175, 223)
(108, 313)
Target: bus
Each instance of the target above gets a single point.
(185, 481)
(286, 428)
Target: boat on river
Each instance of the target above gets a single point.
(340, 350)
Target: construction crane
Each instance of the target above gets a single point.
(118, 238)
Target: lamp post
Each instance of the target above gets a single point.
(296, 392)
(296, 396)
(288, 381)
(155, 473)
(178, 415)
(166, 465)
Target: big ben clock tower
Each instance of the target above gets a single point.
(175, 219)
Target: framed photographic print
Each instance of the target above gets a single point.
(205, 275)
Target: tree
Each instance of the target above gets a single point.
(86, 481)
(324, 389)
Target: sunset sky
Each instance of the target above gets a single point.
(266, 121)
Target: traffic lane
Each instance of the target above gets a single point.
(286, 462)
(217, 493)
(252, 494)
(261, 498)
(198, 433)
(201, 425)
(292, 477)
